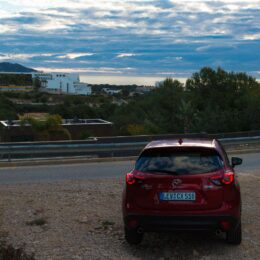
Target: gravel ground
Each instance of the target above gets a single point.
(82, 220)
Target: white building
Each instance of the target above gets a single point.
(158, 84)
(143, 89)
(110, 91)
(63, 83)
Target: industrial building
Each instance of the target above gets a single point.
(67, 83)
(59, 83)
(13, 131)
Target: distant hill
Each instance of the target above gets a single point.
(14, 67)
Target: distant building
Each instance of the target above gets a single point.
(158, 84)
(82, 88)
(67, 83)
(110, 91)
(143, 89)
(12, 131)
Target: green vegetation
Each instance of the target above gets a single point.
(155, 112)
(7, 111)
(48, 129)
(15, 79)
(210, 101)
(8, 252)
(85, 135)
(37, 222)
(36, 84)
(106, 224)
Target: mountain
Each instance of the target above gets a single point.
(14, 67)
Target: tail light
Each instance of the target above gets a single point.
(130, 179)
(226, 179)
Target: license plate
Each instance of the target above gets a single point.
(178, 196)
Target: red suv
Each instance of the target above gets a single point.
(186, 184)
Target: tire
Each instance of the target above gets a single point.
(234, 236)
(133, 237)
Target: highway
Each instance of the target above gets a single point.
(54, 173)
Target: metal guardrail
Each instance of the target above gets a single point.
(95, 148)
(8, 153)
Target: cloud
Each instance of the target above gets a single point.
(85, 70)
(147, 36)
(251, 37)
(6, 29)
(124, 55)
(74, 55)
(178, 58)
(22, 56)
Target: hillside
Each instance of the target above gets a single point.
(14, 67)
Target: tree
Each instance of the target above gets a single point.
(36, 84)
(49, 129)
(224, 101)
(135, 129)
(7, 110)
(156, 111)
(187, 114)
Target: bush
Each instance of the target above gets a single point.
(8, 252)
(37, 222)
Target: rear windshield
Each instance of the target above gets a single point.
(179, 161)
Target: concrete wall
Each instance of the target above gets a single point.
(26, 133)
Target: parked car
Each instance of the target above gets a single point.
(186, 184)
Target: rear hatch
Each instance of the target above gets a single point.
(178, 179)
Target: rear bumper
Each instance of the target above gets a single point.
(173, 223)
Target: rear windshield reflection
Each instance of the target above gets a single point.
(170, 161)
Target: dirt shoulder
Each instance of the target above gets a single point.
(82, 220)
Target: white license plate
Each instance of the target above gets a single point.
(178, 196)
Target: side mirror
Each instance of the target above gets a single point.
(236, 161)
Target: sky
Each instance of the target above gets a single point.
(135, 38)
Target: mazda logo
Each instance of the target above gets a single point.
(176, 182)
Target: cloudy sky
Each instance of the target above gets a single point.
(135, 37)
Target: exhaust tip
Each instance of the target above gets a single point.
(225, 225)
(218, 232)
(140, 230)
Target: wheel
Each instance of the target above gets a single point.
(133, 237)
(234, 236)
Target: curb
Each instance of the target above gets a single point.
(243, 151)
(60, 161)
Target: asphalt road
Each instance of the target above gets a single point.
(54, 173)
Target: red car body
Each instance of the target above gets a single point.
(187, 199)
